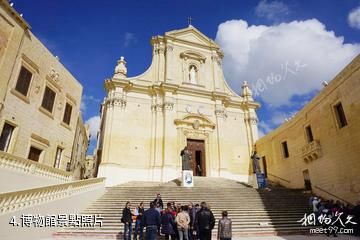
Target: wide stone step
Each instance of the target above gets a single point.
(252, 211)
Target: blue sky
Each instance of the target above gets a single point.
(89, 36)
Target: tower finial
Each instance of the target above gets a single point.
(120, 69)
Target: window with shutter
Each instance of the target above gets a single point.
(5, 137)
(34, 154)
(58, 157)
(285, 149)
(48, 100)
(67, 114)
(340, 115)
(23, 81)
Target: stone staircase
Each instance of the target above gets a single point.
(252, 211)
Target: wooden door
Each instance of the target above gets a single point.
(197, 149)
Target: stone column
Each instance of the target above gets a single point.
(161, 70)
(170, 138)
(169, 68)
(220, 113)
(215, 66)
(157, 144)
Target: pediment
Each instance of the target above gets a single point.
(192, 35)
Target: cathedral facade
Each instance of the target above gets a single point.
(181, 100)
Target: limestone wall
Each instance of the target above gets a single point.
(334, 163)
(33, 125)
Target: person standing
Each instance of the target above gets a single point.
(224, 227)
(158, 202)
(126, 219)
(168, 224)
(139, 229)
(204, 222)
(192, 214)
(151, 221)
(183, 221)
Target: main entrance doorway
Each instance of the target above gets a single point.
(197, 149)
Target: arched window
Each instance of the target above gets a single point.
(193, 72)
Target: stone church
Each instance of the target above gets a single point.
(181, 100)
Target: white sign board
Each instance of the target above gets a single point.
(187, 178)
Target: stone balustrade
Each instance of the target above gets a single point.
(311, 151)
(12, 162)
(15, 201)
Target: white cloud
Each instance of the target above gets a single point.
(271, 10)
(282, 61)
(278, 117)
(94, 125)
(354, 18)
(86, 100)
(129, 38)
(82, 105)
(264, 128)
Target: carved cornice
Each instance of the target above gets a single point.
(216, 59)
(228, 100)
(116, 100)
(40, 139)
(15, 14)
(193, 55)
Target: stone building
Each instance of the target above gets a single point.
(319, 148)
(181, 100)
(77, 165)
(39, 98)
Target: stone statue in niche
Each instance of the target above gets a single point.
(192, 74)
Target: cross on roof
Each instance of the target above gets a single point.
(190, 20)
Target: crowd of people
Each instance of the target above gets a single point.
(175, 221)
(336, 214)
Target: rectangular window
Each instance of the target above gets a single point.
(340, 115)
(285, 149)
(67, 114)
(48, 100)
(58, 157)
(309, 134)
(23, 81)
(34, 154)
(5, 137)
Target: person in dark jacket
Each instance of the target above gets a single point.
(139, 229)
(158, 201)
(224, 227)
(151, 221)
(126, 219)
(168, 224)
(204, 222)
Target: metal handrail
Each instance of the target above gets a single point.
(323, 190)
(288, 181)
